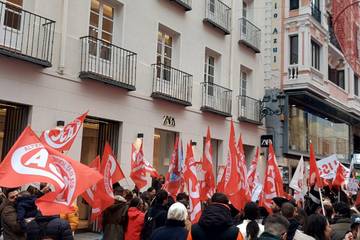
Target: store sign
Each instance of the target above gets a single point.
(328, 166)
(169, 121)
(265, 140)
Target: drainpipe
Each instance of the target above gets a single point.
(63, 36)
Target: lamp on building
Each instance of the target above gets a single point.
(265, 110)
(60, 123)
(140, 135)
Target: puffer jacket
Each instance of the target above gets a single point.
(72, 218)
(52, 227)
(215, 223)
(135, 224)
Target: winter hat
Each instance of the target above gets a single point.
(178, 212)
(279, 201)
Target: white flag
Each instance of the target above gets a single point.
(297, 182)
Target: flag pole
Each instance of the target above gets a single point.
(321, 201)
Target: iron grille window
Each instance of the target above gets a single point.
(294, 4)
(294, 49)
(315, 55)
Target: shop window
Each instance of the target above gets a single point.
(164, 142)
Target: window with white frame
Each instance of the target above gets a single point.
(243, 82)
(315, 55)
(164, 55)
(294, 49)
(209, 73)
(12, 16)
(101, 28)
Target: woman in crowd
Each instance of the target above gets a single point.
(135, 219)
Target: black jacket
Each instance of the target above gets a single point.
(173, 229)
(49, 226)
(294, 225)
(25, 208)
(159, 213)
(215, 223)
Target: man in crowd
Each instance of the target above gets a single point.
(288, 211)
(276, 227)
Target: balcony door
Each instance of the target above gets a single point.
(10, 24)
(164, 60)
(243, 87)
(101, 36)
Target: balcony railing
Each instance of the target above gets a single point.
(316, 13)
(25, 35)
(216, 99)
(172, 84)
(250, 35)
(186, 4)
(218, 14)
(293, 72)
(108, 63)
(249, 109)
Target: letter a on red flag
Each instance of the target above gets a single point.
(314, 175)
(207, 189)
(62, 139)
(273, 183)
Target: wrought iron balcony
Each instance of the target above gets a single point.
(25, 35)
(171, 84)
(216, 99)
(218, 14)
(186, 4)
(316, 13)
(250, 35)
(105, 62)
(249, 110)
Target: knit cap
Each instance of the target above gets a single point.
(178, 212)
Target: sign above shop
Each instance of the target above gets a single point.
(265, 140)
(169, 121)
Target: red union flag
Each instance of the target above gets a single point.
(89, 194)
(208, 185)
(252, 170)
(346, 24)
(62, 139)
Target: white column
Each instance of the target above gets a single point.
(324, 58)
(307, 46)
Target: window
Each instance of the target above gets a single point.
(356, 85)
(294, 49)
(244, 12)
(101, 27)
(164, 55)
(294, 4)
(341, 78)
(212, 6)
(315, 55)
(12, 17)
(209, 74)
(243, 82)
(163, 147)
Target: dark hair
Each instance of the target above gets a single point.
(342, 209)
(183, 198)
(301, 216)
(150, 189)
(316, 226)
(219, 198)
(160, 197)
(251, 211)
(288, 210)
(9, 190)
(135, 202)
(252, 230)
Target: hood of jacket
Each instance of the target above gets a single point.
(216, 217)
(134, 213)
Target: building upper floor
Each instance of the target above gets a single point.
(203, 54)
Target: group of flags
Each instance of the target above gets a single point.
(33, 160)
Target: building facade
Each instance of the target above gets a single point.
(322, 103)
(155, 68)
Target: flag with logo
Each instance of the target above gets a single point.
(297, 181)
(252, 174)
(192, 184)
(208, 187)
(89, 194)
(62, 139)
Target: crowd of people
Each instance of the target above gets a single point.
(155, 215)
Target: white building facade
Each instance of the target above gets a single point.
(155, 68)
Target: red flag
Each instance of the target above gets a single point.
(252, 170)
(273, 183)
(115, 169)
(232, 174)
(341, 174)
(244, 194)
(89, 194)
(192, 185)
(62, 139)
(174, 177)
(221, 179)
(207, 189)
(314, 175)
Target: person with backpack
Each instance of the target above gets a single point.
(135, 219)
(48, 227)
(156, 215)
(215, 222)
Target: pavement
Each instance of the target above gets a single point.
(88, 236)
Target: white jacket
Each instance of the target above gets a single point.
(299, 235)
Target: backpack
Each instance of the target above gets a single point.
(149, 226)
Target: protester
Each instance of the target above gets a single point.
(288, 211)
(355, 225)
(175, 224)
(277, 202)
(145, 196)
(114, 219)
(26, 209)
(11, 227)
(48, 227)
(341, 223)
(216, 221)
(156, 215)
(249, 228)
(318, 227)
(157, 183)
(184, 199)
(135, 219)
(152, 192)
(301, 217)
(72, 218)
(276, 227)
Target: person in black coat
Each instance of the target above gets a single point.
(25, 208)
(49, 227)
(216, 221)
(175, 224)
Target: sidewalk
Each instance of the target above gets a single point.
(87, 236)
